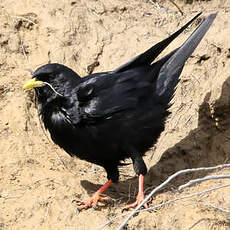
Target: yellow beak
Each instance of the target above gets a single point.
(32, 83)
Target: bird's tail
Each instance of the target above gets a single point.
(172, 65)
(149, 55)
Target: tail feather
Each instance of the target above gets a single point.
(148, 56)
(170, 71)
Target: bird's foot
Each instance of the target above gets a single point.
(92, 202)
(139, 199)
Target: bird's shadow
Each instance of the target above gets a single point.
(199, 148)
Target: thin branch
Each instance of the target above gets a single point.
(218, 208)
(192, 182)
(177, 7)
(186, 197)
(23, 50)
(196, 223)
(168, 202)
(24, 19)
(165, 183)
(112, 220)
(44, 218)
(155, 4)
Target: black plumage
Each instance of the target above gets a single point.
(107, 117)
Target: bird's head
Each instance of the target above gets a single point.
(51, 81)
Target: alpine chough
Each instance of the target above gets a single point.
(107, 117)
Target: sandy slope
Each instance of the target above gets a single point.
(38, 181)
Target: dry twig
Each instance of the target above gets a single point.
(168, 202)
(225, 211)
(165, 183)
(177, 7)
(23, 18)
(23, 50)
(192, 182)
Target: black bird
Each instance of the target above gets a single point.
(107, 117)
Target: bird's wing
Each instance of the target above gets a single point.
(102, 97)
(148, 56)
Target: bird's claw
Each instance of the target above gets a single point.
(139, 199)
(92, 202)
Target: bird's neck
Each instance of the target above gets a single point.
(48, 108)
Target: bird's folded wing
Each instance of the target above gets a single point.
(104, 96)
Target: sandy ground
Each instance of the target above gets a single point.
(39, 181)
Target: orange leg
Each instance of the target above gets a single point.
(95, 198)
(140, 195)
